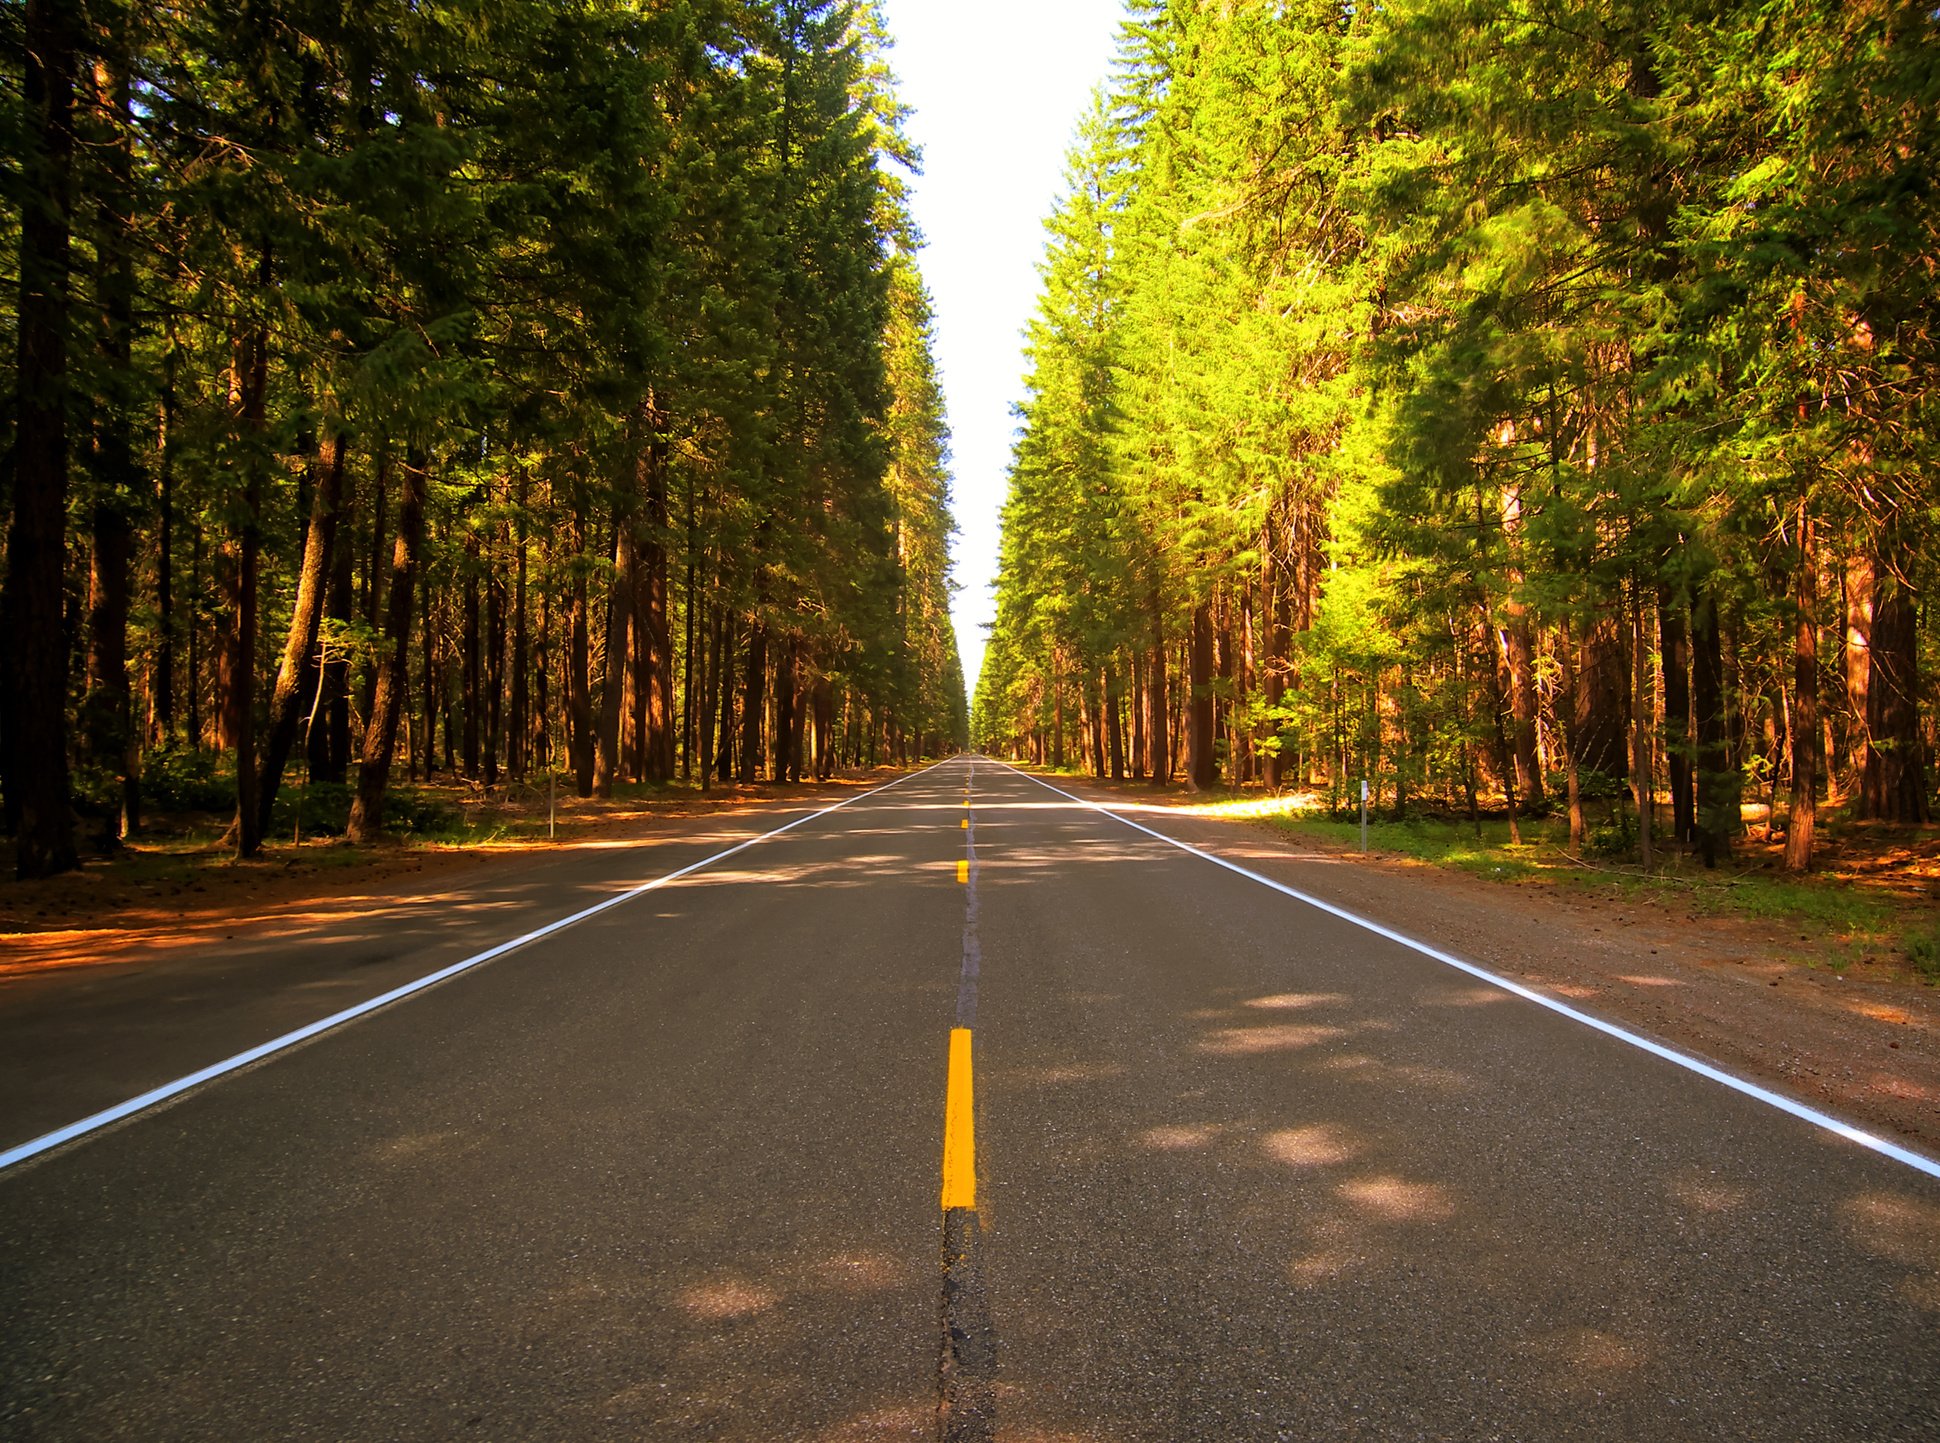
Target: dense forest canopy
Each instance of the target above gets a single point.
(1523, 405)
(460, 386)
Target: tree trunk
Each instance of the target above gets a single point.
(1518, 654)
(1674, 643)
(1894, 788)
(783, 768)
(1805, 707)
(1602, 699)
(1157, 714)
(110, 720)
(163, 700)
(1856, 590)
(658, 679)
(1095, 728)
(518, 730)
(1114, 727)
(753, 701)
(619, 617)
(430, 694)
(1057, 714)
(471, 654)
(1718, 783)
(1643, 775)
(107, 720)
(380, 731)
(1274, 680)
(1201, 768)
(34, 689)
(579, 686)
(329, 744)
(295, 676)
(248, 547)
(494, 673)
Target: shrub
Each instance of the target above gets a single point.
(181, 780)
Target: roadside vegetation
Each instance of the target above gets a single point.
(455, 390)
(1871, 896)
(1529, 412)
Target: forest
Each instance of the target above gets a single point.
(460, 388)
(1520, 407)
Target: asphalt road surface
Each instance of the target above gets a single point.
(1003, 1119)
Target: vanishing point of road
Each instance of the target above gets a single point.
(961, 1108)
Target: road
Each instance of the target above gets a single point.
(962, 1089)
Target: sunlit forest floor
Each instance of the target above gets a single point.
(178, 879)
(1872, 900)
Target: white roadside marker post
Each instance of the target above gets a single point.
(1363, 816)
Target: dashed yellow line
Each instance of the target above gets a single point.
(963, 869)
(959, 1128)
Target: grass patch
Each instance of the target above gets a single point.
(1831, 905)
(1923, 952)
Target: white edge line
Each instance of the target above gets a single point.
(133, 1105)
(1765, 1095)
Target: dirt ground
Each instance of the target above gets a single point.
(1755, 996)
(157, 896)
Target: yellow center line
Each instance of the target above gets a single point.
(966, 824)
(963, 869)
(959, 1129)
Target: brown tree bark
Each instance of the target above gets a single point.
(1202, 768)
(1718, 783)
(374, 575)
(380, 731)
(1674, 644)
(1519, 659)
(494, 675)
(1573, 773)
(825, 739)
(1856, 592)
(291, 697)
(518, 738)
(1643, 773)
(430, 693)
(1094, 726)
(1894, 787)
(471, 656)
(754, 701)
(33, 724)
(108, 714)
(162, 700)
(328, 743)
(1114, 727)
(107, 721)
(1273, 681)
(619, 619)
(783, 765)
(1805, 702)
(246, 547)
(1157, 714)
(658, 678)
(1602, 702)
(579, 687)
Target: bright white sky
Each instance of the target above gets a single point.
(997, 88)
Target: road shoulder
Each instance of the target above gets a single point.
(1723, 988)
